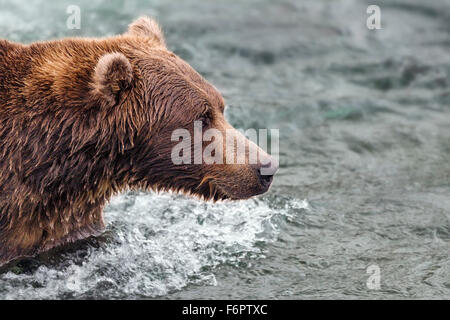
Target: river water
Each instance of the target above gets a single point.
(364, 184)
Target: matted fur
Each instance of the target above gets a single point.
(83, 119)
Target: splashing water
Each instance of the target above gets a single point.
(155, 244)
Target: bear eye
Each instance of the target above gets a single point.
(206, 119)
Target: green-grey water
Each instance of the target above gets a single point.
(364, 119)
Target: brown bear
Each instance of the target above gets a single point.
(84, 119)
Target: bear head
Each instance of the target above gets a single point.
(160, 102)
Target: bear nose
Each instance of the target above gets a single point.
(267, 171)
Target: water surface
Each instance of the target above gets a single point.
(364, 119)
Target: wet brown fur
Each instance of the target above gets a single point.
(84, 119)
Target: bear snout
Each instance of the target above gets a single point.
(247, 179)
(265, 172)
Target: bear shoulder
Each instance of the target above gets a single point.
(9, 51)
(6, 46)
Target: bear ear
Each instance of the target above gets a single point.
(112, 75)
(147, 27)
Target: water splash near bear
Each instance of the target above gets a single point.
(156, 244)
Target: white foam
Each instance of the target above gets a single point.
(157, 243)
